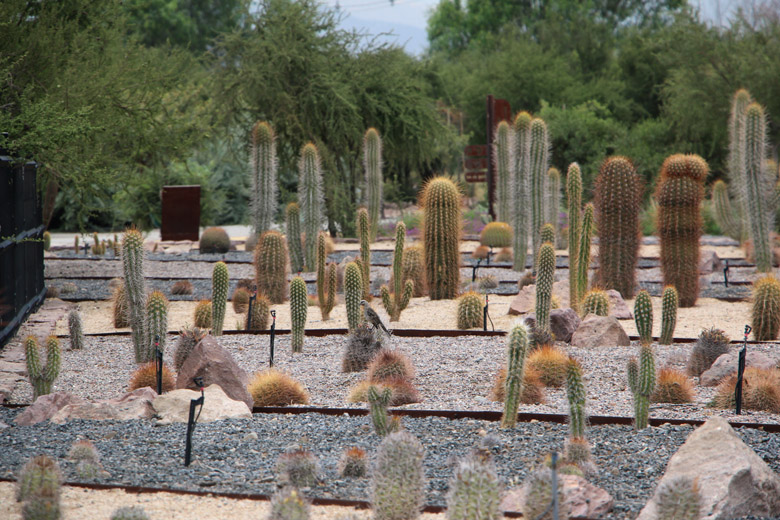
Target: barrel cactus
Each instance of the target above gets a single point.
(475, 491)
(765, 316)
(271, 266)
(440, 201)
(470, 311)
(496, 234)
(298, 310)
(595, 302)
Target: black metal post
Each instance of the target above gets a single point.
(192, 420)
(485, 314)
(159, 357)
(273, 336)
(726, 274)
(474, 270)
(249, 311)
(86, 248)
(741, 371)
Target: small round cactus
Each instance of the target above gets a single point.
(765, 316)
(40, 476)
(353, 463)
(470, 311)
(297, 467)
(214, 240)
(595, 302)
(496, 234)
(678, 498)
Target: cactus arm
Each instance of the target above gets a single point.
(643, 317)
(669, 302)
(220, 281)
(574, 200)
(298, 311)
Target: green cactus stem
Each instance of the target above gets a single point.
(595, 302)
(475, 492)
(402, 294)
(521, 206)
(470, 311)
(299, 306)
(372, 165)
(364, 236)
(157, 316)
(669, 303)
(326, 280)
(440, 201)
(353, 290)
(293, 219)
(759, 187)
(575, 393)
(539, 162)
(378, 403)
(726, 215)
(516, 352)
(545, 276)
(553, 203)
(765, 315)
(641, 379)
(574, 207)
(42, 376)
(643, 317)
(220, 281)
(398, 484)
(75, 330)
(263, 164)
(135, 290)
(311, 200)
(583, 254)
(503, 151)
(736, 158)
(271, 266)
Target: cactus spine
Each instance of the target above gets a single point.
(293, 214)
(299, 306)
(678, 499)
(583, 253)
(402, 291)
(503, 151)
(398, 485)
(364, 235)
(765, 318)
(521, 189)
(378, 403)
(539, 161)
(326, 282)
(353, 289)
(547, 234)
(311, 201)
(545, 276)
(157, 316)
(641, 381)
(736, 159)
(133, 266)
(553, 204)
(575, 393)
(643, 317)
(219, 292)
(759, 186)
(263, 166)
(271, 266)
(618, 197)
(729, 221)
(76, 330)
(679, 194)
(595, 302)
(669, 304)
(42, 376)
(470, 311)
(516, 351)
(441, 234)
(475, 492)
(372, 164)
(574, 204)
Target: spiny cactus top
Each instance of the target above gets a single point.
(372, 164)
(311, 200)
(264, 184)
(441, 234)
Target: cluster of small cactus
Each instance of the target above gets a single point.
(353, 291)
(157, 324)
(678, 498)
(521, 189)
(202, 315)
(42, 376)
(545, 276)
(263, 166)
(364, 237)
(496, 234)
(669, 303)
(474, 491)
(398, 484)
(87, 459)
(271, 266)
(574, 206)
(75, 330)
(311, 201)
(765, 314)
(220, 281)
(516, 352)
(402, 290)
(595, 302)
(641, 381)
(214, 240)
(326, 280)
(618, 198)
(288, 504)
(539, 161)
(293, 221)
(643, 317)
(470, 311)
(135, 290)
(298, 311)
(710, 345)
(440, 201)
(38, 487)
(372, 165)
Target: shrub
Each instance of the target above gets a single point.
(274, 388)
(710, 345)
(146, 375)
(214, 240)
(182, 287)
(390, 364)
(760, 390)
(362, 345)
(550, 362)
(672, 386)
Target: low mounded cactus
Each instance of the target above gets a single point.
(214, 240)
(352, 463)
(42, 376)
(362, 345)
(470, 311)
(398, 484)
(274, 388)
(297, 467)
(765, 315)
(643, 317)
(288, 504)
(669, 302)
(595, 302)
(496, 234)
(475, 492)
(76, 330)
(711, 344)
(220, 281)
(298, 312)
(516, 352)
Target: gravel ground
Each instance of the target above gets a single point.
(452, 373)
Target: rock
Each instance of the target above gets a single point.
(250, 437)
(585, 500)
(618, 306)
(561, 291)
(733, 480)
(563, 323)
(174, 406)
(599, 331)
(216, 366)
(45, 407)
(3, 425)
(133, 405)
(709, 262)
(524, 302)
(726, 364)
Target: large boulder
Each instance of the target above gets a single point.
(733, 480)
(618, 306)
(599, 331)
(133, 405)
(585, 500)
(523, 302)
(216, 366)
(45, 407)
(727, 363)
(174, 406)
(563, 323)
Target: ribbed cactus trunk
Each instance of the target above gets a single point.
(353, 290)
(220, 280)
(503, 151)
(264, 185)
(641, 381)
(441, 235)
(545, 276)
(293, 214)
(736, 159)
(75, 330)
(765, 314)
(402, 292)
(42, 376)
(539, 162)
(378, 403)
(574, 204)
(516, 351)
(618, 197)
(669, 304)
(643, 317)
(726, 214)
(372, 165)
(326, 280)
(157, 315)
(583, 254)
(364, 236)
(271, 266)
(553, 204)
(575, 393)
(311, 201)
(759, 186)
(679, 194)
(299, 306)
(521, 205)
(135, 290)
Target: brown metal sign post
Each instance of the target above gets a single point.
(180, 213)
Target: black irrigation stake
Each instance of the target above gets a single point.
(86, 247)
(273, 336)
(159, 361)
(192, 420)
(474, 270)
(741, 371)
(554, 504)
(249, 310)
(726, 274)
(490, 253)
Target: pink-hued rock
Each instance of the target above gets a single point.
(709, 262)
(600, 331)
(45, 407)
(524, 302)
(618, 306)
(726, 364)
(174, 406)
(584, 499)
(133, 405)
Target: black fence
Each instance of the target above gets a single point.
(21, 245)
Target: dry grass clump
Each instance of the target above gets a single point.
(672, 386)
(402, 392)
(550, 362)
(182, 287)
(240, 300)
(274, 388)
(760, 390)
(532, 392)
(146, 375)
(390, 364)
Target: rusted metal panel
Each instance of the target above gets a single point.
(479, 176)
(476, 163)
(180, 213)
(475, 150)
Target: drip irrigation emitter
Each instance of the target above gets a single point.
(741, 371)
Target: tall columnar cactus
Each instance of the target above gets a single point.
(595, 302)
(669, 303)
(220, 281)
(157, 316)
(643, 317)
(521, 205)
(372, 164)
(263, 166)
(641, 381)
(42, 376)
(553, 204)
(679, 194)
(293, 214)
(765, 315)
(516, 352)
(76, 330)
(574, 207)
(475, 492)
(583, 253)
(353, 290)
(311, 200)
(575, 393)
(378, 402)
(503, 151)
(539, 162)
(398, 484)
(364, 236)
(545, 276)
(326, 280)
(726, 215)
(402, 292)
(759, 187)
(736, 158)
(618, 198)
(547, 234)
(135, 290)
(271, 266)
(440, 201)
(299, 306)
